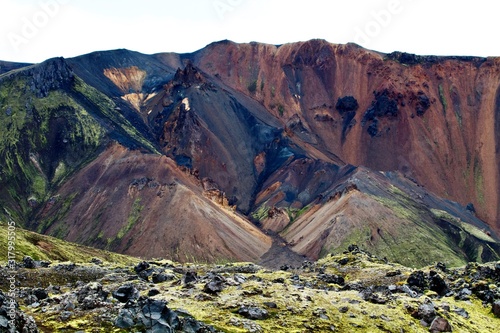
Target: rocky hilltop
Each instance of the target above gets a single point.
(254, 152)
(351, 291)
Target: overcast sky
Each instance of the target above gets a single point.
(35, 30)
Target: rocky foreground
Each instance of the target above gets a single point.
(349, 292)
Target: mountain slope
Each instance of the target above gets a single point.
(412, 113)
(6, 66)
(397, 222)
(144, 205)
(52, 124)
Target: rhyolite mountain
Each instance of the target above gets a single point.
(256, 152)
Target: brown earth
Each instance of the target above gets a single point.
(143, 204)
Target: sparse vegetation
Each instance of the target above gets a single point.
(261, 213)
(281, 110)
(466, 227)
(479, 181)
(41, 247)
(106, 107)
(133, 218)
(295, 213)
(252, 87)
(442, 98)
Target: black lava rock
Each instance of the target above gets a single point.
(253, 313)
(190, 277)
(417, 280)
(343, 261)
(437, 284)
(375, 298)
(496, 309)
(11, 314)
(346, 104)
(332, 278)
(151, 315)
(271, 305)
(464, 294)
(215, 286)
(353, 248)
(28, 262)
(426, 312)
(96, 261)
(161, 277)
(153, 292)
(142, 266)
(126, 293)
(40, 293)
(470, 207)
(393, 273)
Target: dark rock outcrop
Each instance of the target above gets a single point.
(155, 316)
(126, 293)
(215, 286)
(253, 313)
(437, 284)
(12, 319)
(346, 104)
(417, 280)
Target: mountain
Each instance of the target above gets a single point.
(436, 119)
(256, 152)
(353, 291)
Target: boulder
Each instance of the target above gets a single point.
(40, 293)
(151, 315)
(496, 309)
(332, 278)
(142, 266)
(215, 286)
(426, 312)
(9, 309)
(153, 292)
(126, 293)
(437, 284)
(190, 277)
(253, 313)
(440, 324)
(28, 262)
(417, 280)
(161, 277)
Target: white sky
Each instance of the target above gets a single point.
(35, 30)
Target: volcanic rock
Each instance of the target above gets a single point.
(496, 308)
(253, 313)
(440, 324)
(126, 293)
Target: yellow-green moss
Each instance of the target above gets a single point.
(134, 215)
(41, 247)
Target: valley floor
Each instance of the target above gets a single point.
(349, 292)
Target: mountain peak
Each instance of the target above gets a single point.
(189, 75)
(52, 74)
